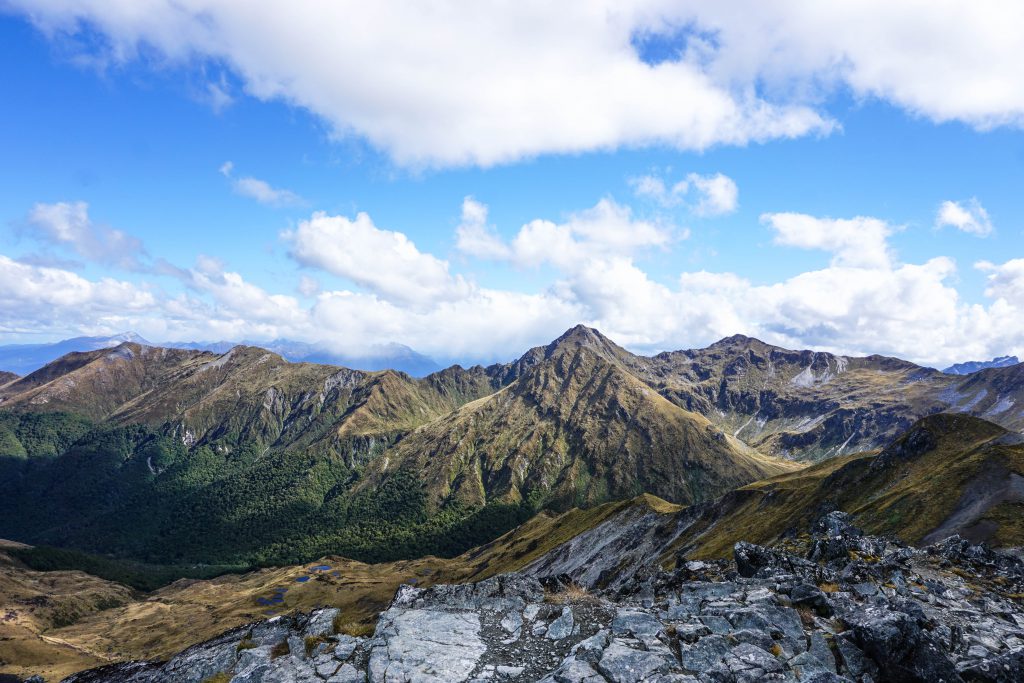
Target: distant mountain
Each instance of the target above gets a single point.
(23, 359)
(378, 357)
(975, 365)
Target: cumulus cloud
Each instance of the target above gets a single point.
(855, 242)
(67, 224)
(1005, 281)
(383, 261)
(440, 84)
(969, 217)
(706, 195)
(476, 237)
(718, 194)
(33, 298)
(604, 230)
(260, 190)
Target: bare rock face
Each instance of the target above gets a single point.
(864, 609)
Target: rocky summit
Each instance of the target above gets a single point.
(831, 605)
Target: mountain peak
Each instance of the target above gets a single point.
(736, 340)
(583, 337)
(580, 334)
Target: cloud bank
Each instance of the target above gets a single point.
(363, 284)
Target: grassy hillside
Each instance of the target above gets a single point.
(947, 474)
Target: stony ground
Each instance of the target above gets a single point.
(847, 607)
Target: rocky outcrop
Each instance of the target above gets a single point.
(848, 607)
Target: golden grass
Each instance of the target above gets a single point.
(569, 595)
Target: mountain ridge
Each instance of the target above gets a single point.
(24, 359)
(283, 461)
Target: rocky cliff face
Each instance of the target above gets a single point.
(843, 607)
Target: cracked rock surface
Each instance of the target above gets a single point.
(848, 607)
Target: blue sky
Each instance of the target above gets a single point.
(119, 210)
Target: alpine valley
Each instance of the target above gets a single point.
(579, 514)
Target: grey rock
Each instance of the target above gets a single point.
(1006, 668)
(513, 623)
(297, 647)
(561, 627)
(822, 652)
(754, 657)
(325, 666)
(635, 623)
(509, 671)
(703, 654)
(853, 661)
(425, 645)
(196, 664)
(348, 674)
(574, 671)
(321, 623)
(345, 646)
(623, 664)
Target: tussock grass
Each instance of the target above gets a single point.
(570, 594)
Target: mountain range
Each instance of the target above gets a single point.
(245, 458)
(974, 366)
(22, 359)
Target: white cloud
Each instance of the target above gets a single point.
(217, 95)
(607, 229)
(715, 195)
(654, 188)
(446, 85)
(260, 190)
(440, 84)
(970, 218)
(475, 237)
(718, 194)
(309, 286)
(383, 261)
(856, 242)
(264, 193)
(67, 224)
(1005, 281)
(35, 299)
